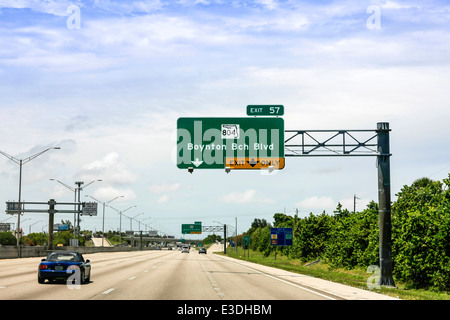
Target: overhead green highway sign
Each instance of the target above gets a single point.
(195, 228)
(236, 143)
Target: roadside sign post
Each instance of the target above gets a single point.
(247, 245)
(280, 237)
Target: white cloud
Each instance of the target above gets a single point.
(327, 203)
(395, 5)
(121, 81)
(248, 196)
(163, 199)
(317, 203)
(109, 193)
(54, 7)
(164, 187)
(269, 4)
(127, 7)
(110, 169)
(361, 203)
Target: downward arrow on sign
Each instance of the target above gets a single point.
(253, 162)
(197, 162)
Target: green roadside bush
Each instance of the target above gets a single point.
(420, 236)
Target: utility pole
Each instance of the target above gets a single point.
(384, 203)
(235, 244)
(354, 203)
(51, 221)
(224, 238)
(78, 183)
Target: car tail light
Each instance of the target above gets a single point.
(43, 266)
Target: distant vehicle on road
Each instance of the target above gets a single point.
(185, 250)
(202, 250)
(62, 265)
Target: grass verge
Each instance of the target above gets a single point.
(355, 277)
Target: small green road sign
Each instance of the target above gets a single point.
(237, 143)
(265, 110)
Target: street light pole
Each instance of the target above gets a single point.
(79, 183)
(29, 231)
(76, 225)
(103, 223)
(131, 224)
(21, 162)
(120, 223)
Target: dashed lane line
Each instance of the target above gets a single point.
(108, 291)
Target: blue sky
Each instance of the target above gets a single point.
(109, 94)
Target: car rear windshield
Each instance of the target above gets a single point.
(64, 257)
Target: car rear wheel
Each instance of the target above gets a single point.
(82, 277)
(40, 279)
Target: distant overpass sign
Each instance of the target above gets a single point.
(195, 228)
(89, 208)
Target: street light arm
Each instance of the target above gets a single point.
(104, 202)
(118, 211)
(128, 208)
(36, 222)
(65, 185)
(38, 154)
(91, 183)
(114, 199)
(10, 157)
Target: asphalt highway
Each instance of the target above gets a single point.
(164, 275)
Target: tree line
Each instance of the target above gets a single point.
(420, 236)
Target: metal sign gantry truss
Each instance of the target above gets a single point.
(13, 208)
(347, 143)
(212, 228)
(218, 229)
(326, 143)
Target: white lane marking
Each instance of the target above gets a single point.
(132, 278)
(212, 281)
(287, 282)
(108, 291)
(299, 286)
